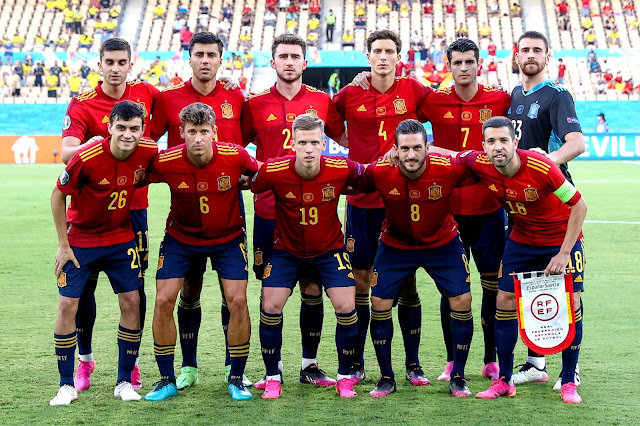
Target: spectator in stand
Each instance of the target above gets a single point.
(614, 36)
(601, 86)
(292, 26)
(395, 5)
(628, 87)
(608, 76)
(590, 38)
(315, 8)
(629, 8)
(16, 85)
(562, 68)
(223, 38)
(428, 10)
(99, 26)
(592, 57)
(382, 23)
(93, 11)
(52, 85)
(449, 8)
(159, 11)
(238, 65)
(330, 21)
(609, 23)
(247, 58)
(18, 41)
(584, 9)
(178, 24)
(383, 9)
(312, 39)
(633, 24)
(50, 6)
(292, 15)
(492, 72)
(38, 72)
(77, 20)
(247, 16)
(85, 41)
(228, 66)
(462, 31)
(516, 10)
(438, 56)
(62, 42)
(313, 24)
(484, 30)
(360, 25)
(284, 5)
(405, 9)
(242, 82)
(440, 31)
(562, 7)
(227, 11)
(602, 126)
(105, 5)
(586, 23)
(38, 43)
(204, 8)
(416, 37)
(115, 10)
(3, 86)
(68, 21)
(472, 9)
(270, 19)
(183, 11)
(19, 69)
(399, 68)
(594, 67)
(564, 24)
(185, 37)
(494, 9)
(74, 84)
(8, 50)
(56, 70)
(61, 5)
(93, 78)
(175, 80)
(84, 70)
(245, 39)
(607, 10)
(347, 39)
(202, 23)
(224, 26)
(492, 48)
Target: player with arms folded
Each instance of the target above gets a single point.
(205, 221)
(547, 214)
(267, 121)
(456, 114)
(307, 238)
(205, 58)
(419, 231)
(88, 117)
(101, 179)
(372, 110)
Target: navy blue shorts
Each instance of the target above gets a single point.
(178, 260)
(332, 269)
(262, 243)
(447, 265)
(141, 231)
(525, 258)
(484, 236)
(362, 235)
(121, 263)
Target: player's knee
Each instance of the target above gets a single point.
(379, 304)
(310, 288)
(461, 302)
(67, 307)
(362, 278)
(129, 300)
(577, 301)
(344, 306)
(506, 301)
(237, 302)
(165, 303)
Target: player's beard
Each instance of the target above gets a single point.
(538, 69)
(289, 79)
(414, 167)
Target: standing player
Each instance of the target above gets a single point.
(101, 179)
(419, 231)
(547, 213)
(373, 112)
(88, 117)
(545, 120)
(205, 220)
(205, 57)
(266, 120)
(308, 239)
(456, 114)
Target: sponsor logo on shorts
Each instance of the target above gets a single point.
(160, 262)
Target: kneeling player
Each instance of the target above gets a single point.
(101, 179)
(205, 221)
(547, 214)
(419, 231)
(307, 237)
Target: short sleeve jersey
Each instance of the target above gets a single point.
(88, 116)
(457, 125)
(539, 217)
(101, 189)
(418, 212)
(267, 119)
(307, 224)
(226, 104)
(543, 117)
(372, 118)
(205, 207)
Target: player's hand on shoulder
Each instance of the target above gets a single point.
(64, 255)
(363, 80)
(93, 139)
(228, 83)
(539, 151)
(392, 156)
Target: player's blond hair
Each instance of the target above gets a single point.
(197, 114)
(307, 122)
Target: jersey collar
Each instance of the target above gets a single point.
(389, 90)
(190, 87)
(298, 96)
(536, 88)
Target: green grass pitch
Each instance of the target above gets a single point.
(609, 356)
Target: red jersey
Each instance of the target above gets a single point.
(88, 116)
(205, 207)
(307, 224)
(418, 212)
(539, 217)
(266, 120)
(372, 118)
(226, 104)
(101, 189)
(457, 125)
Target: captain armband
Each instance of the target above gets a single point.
(566, 192)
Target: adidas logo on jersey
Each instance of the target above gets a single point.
(105, 119)
(493, 188)
(578, 279)
(394, 191)
(290, 195)
(448, 115)
(104, 182)
(183, 185)
(361, 108)
(271, 117)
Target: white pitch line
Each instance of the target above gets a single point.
(637, 163)
(618, 222)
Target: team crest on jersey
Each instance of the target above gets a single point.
(399, 106)
(144, 107)
(530, 194)
(64, 177)
(351, 243)
(227, 110)
(290, 117)
(511, 193)
(374, 279)
(466, 115)
(381, 110)
(414, 193)
(485, 114)
(122, 180)
(312, 112)
(224, 183)
(138, 175)
(66, 122)
(267, 271)
(307, 197)
(62, 279)
(533, 111)
(520, 109)
(202, 186)
(435, 192)
(257, 258)
(328, 193)
(160, 262)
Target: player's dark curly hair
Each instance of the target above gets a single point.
(126, 111)
(206, 37)
(535, 35)
(499, 121)
(290, 39)
(384, 35)
(197, 114)
(115, 44)
(463, 45)
(411, 127)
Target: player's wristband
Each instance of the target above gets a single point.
(565, 192)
